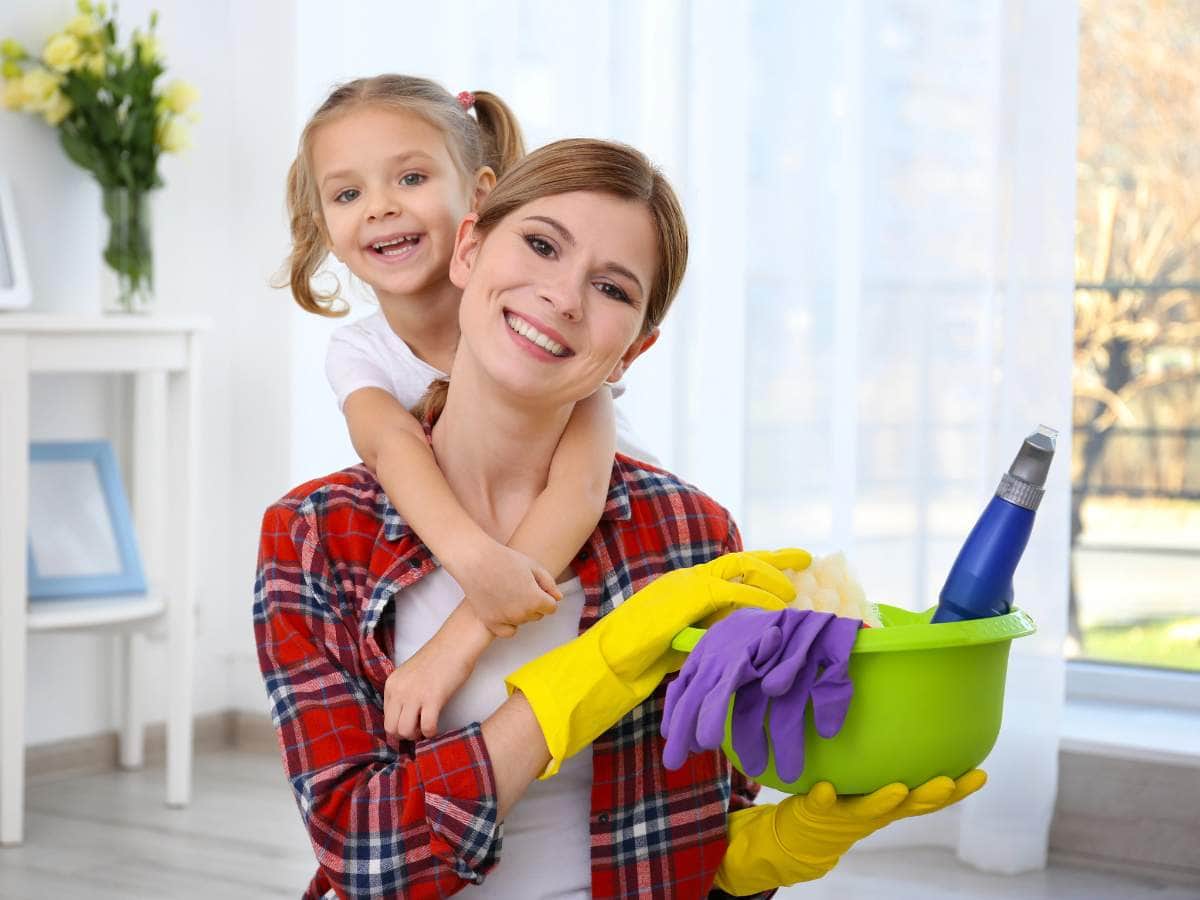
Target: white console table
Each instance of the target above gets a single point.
(161, 355)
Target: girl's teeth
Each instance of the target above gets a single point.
(527, 331)
(399, 245)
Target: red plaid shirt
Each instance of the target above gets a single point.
(422, 822)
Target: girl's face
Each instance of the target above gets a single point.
(391, 197)
(555, 294)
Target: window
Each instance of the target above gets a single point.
(1135, 535)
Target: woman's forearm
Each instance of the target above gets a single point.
(517, 749)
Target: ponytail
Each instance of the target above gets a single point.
(504, 144)
(432, 402)
(308, 249)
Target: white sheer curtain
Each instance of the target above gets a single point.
(879, 301)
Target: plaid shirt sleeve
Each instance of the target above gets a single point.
(418, 823)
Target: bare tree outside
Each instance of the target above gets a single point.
(1136, 461)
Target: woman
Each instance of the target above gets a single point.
(583, 243)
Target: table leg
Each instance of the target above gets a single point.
(181, 621)
(150, 516)
(14, 523)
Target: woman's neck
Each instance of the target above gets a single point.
(494, 451)
(426, 321)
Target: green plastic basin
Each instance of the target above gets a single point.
(927, 701)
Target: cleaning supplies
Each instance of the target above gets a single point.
(829, 585)
(980, 581)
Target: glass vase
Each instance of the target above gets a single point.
(128, 255)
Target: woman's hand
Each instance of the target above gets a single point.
(802, 838)
(504, 587)
(581, 689)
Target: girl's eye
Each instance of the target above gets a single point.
(347, 195)
(540, 246)
(412, 179)
(608, 289)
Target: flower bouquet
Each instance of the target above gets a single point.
(113, 120)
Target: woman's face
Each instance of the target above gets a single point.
(554, 296)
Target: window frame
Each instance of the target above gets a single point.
(1140, 685)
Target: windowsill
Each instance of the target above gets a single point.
(1131, 731)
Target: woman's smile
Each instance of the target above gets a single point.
(537, 338)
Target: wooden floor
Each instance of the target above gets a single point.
(109, 837)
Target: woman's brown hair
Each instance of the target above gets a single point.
(492, 137)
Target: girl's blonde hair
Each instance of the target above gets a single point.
(492, 137)
(605, 167)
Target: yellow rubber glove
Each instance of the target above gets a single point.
(803, 837)
(581, 689)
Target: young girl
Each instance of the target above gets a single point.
(386, 169)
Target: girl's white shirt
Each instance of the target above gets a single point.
(546, 850)
(367, 353)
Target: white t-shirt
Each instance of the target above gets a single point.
(367, 353)
(546, 850)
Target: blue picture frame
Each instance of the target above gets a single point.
(127, 576)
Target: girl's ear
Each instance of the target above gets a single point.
(485, 180)
(466, 245)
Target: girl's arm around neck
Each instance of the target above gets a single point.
(566, 513)
(392, 444)
(504, 587)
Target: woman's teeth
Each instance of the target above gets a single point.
(527, 331)
(396, 245)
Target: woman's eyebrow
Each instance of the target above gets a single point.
(569, 238)
(558, 226)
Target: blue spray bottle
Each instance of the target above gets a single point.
(980, 581)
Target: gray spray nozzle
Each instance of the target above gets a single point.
(1025, 481)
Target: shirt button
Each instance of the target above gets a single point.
(603, 817)
(583, 554)
(414, 563)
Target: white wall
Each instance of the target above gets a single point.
(219, 231)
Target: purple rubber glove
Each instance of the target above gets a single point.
(803, 632)
(735, 651)
(822, 674)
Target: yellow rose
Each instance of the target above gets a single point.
(95, 63)
(173, 136)
(11, 70)
(179, 97)
(57, 108)
(148, 47)
(61, 52)
(82, 26)
(13, 96)
(39, 86)
(10, 49)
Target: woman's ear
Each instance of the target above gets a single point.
(485, 180)
(637, 348)
(466, 245)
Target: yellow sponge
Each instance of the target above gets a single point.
(828, 585)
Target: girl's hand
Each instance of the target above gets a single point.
(415, 694)
(505, 588)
